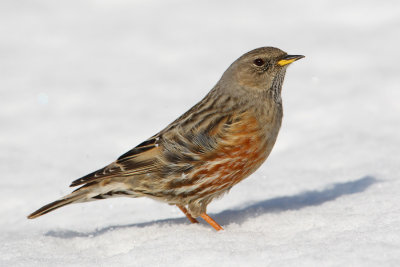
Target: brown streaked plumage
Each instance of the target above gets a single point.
(210, 148)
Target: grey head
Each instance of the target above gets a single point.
(257, 71)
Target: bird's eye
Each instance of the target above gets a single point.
(259, 62)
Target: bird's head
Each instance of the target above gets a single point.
(259, 69)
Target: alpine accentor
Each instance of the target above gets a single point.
(210, 148)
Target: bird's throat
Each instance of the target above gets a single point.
(276, 87)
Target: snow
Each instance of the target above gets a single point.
(82, 82)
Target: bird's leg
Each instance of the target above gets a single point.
(184, 210)
(211, 222)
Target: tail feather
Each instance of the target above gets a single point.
(76, 196)
(50, 207)
(89, 192)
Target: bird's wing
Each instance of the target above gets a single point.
(174, 150)
(214, 155)
(139, 160)
(192, 144)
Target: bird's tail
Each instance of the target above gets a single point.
(89, 192)
(74, 197)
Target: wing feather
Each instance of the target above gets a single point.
(139, 160)
(171, 151)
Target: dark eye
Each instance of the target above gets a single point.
(259, 62)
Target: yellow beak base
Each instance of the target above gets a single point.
(289, 59)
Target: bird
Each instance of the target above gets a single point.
(201, 155)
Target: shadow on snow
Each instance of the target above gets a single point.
(278, 204)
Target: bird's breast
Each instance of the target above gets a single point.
(238, 155)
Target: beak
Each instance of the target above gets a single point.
(289, 59)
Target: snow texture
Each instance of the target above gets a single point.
(82, 82)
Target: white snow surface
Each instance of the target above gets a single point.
(82, 82)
